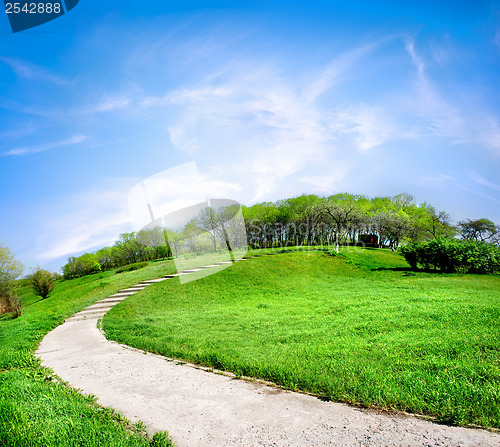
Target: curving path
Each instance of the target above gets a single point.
(200, 408)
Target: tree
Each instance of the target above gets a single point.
(341, 212)
(10, 270)
(85, 264)
(43, 283)
(175, 241)
(207, 220)
(392, 227)
(478, 230)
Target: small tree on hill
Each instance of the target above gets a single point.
(43, 283)
(10, 270)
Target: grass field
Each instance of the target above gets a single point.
(358, 327)
(35, 409)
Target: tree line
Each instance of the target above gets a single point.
(344, 219)
(307, 220)
(211, 229)
(426, 236)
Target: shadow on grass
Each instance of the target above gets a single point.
(396, 269)
(408, 271)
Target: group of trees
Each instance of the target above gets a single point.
(145, 245)
(212, 229)
(343, 218)
(304, 220)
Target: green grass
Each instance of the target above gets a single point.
(358, 327)
(36, 409)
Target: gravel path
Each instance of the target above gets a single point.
(200, 408)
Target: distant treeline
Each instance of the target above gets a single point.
(130, 248)
(304, 220)
(343, 218)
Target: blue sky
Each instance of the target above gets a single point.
(270, 99)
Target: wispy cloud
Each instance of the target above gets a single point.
(327, 184)
(337, 70)
(496, 39)
(437, 179)
(479, 179)
(438, 116)
(370, 126)
(489, 132)
(84, 222)
(28, 150)
(110, 103)
(29, 71)
(50, 113)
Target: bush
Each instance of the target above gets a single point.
(453, 255)
(134, 266)
(43, 283)
(11, 303)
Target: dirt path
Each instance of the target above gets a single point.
(200, 408)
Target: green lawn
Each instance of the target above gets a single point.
(36, 409)
(357, 327)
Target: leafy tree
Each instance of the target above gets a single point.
(393, 227)
(207, 220)
(403, 202)
(43, 283)
(106, 258)
(175, 240)
(127, 249)
(342, 213)
(479, 230)
(10, 270)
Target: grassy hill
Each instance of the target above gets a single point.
(358, 327)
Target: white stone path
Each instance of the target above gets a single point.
(201, 408)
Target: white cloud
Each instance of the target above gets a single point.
(84, 222)
(181, 139)
(489, 133)
(110, 103)
(31, 72)
(76, 139)
(438, 117)
(370, 126)
(479, 179)
(334, 72)
(328, 184)
(496, 39)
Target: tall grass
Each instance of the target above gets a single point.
(357, 327)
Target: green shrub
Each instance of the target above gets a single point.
(43, 283)
(131, 267)
(453, 255)
(11, 303)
